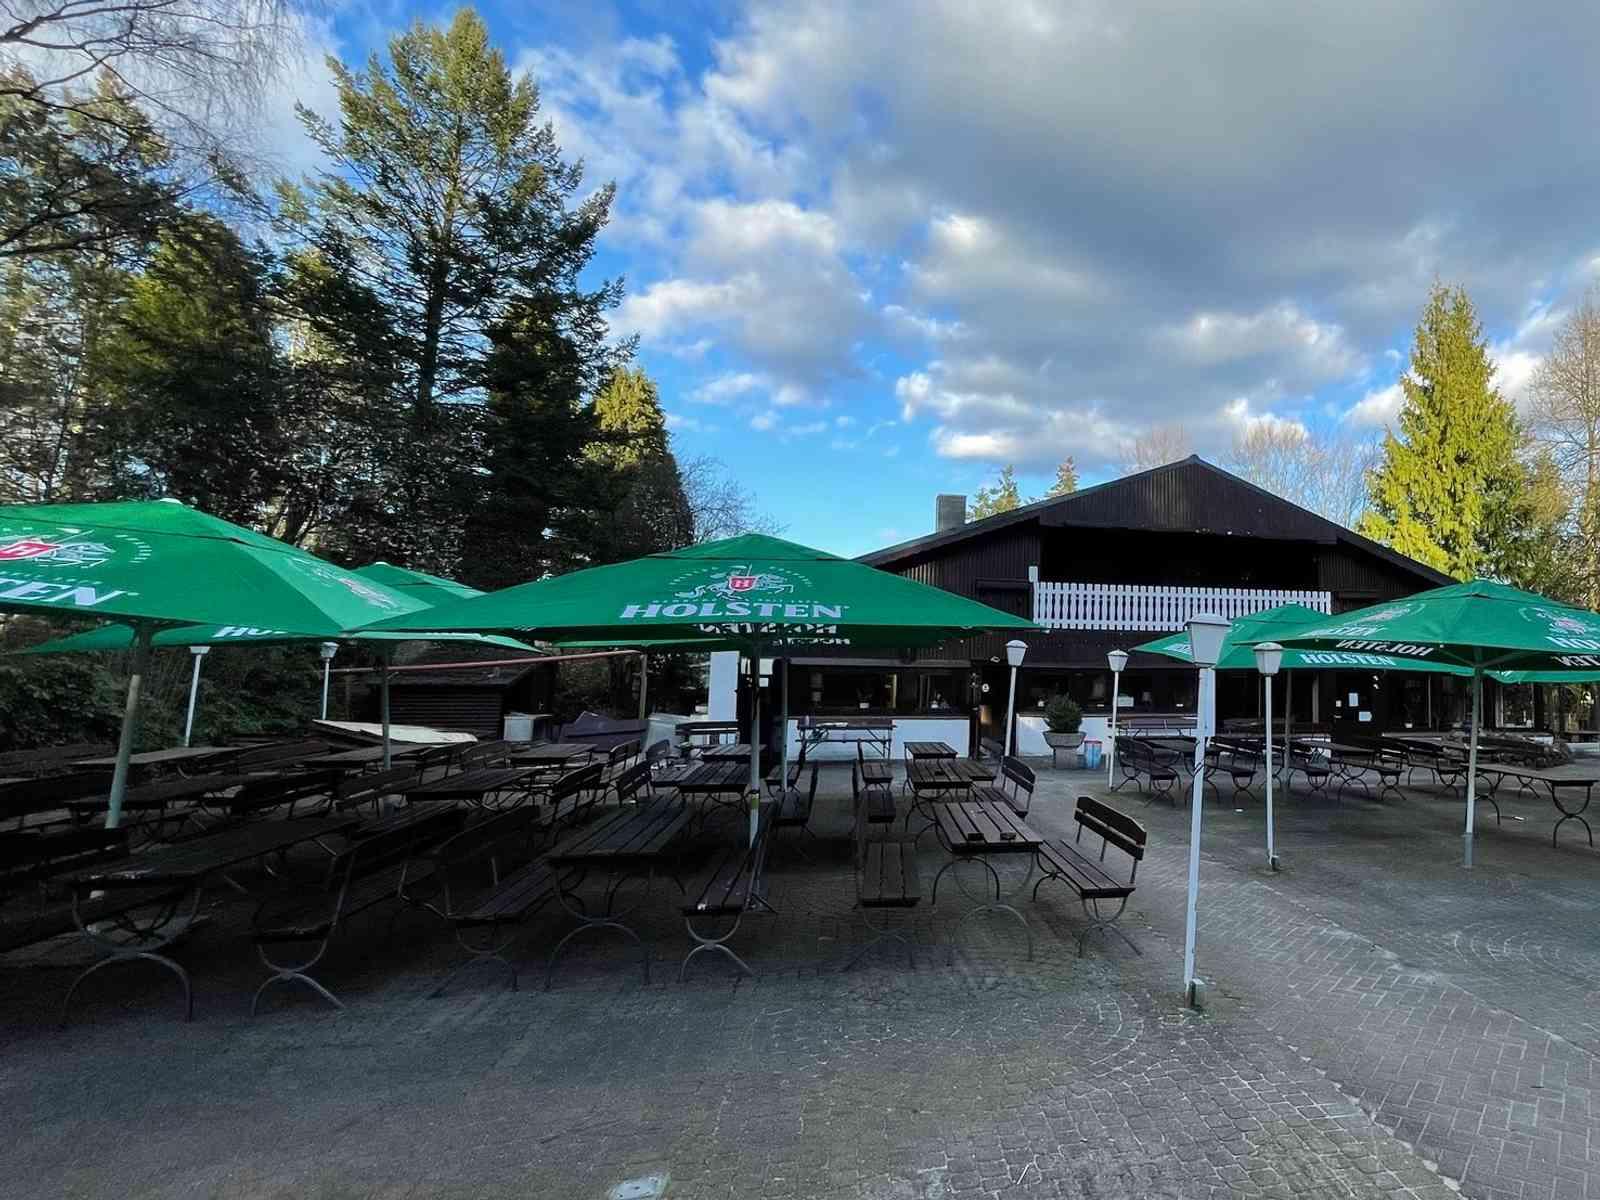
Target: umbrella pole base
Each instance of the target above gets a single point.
(1466, 850)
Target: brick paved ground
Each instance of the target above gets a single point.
(1382, 1023)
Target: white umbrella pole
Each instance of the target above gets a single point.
(383, 701)
(1195, 804)
(644, 682)
(1472, 766)
(130, 724)
(783, 735)
(1272, 849)
(198, 652)
(1111, 756)
(327, 674)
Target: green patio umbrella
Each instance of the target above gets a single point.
(1482, 626)
(155, 564)
(757, 594)
(430, 589)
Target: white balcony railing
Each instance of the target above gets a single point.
(1155, 609)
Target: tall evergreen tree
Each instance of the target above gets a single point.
(1066, 481)
(1447, 485)
(646, 509)
(1002, 497)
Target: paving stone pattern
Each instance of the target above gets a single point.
(1381, 1023)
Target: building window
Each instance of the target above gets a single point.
(875, 691)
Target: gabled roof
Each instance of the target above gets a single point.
(1190, 495)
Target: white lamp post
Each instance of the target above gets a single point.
(327, 650)
(1206, 631)
(199, 652)
(1269, 657)
(1116, 660)
(1016, 650)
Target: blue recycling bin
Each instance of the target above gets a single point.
(1091, 754)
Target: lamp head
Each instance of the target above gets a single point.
(1269, 657)
(1117, 660)
(1206, 631)
(1016, 650)
(198, 651)
(328, 650)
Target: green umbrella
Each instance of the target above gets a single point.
(1482, 626)
(752, 593)
(430, 589)
(157, 563)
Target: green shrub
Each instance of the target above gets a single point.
(1063, 715)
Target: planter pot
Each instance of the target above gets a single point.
(1062, 741)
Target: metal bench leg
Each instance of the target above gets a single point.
(282, 974)
(1574, 814)
(148, 956)
(146, 935)
(490, 951)
(883, 934)
(1097, 922)
(712, 943)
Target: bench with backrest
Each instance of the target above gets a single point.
(308, 790)
(488, 882)
(1014, 787)
(1145, 764)
(633, 785)
(1446, 764)
(372, 786)
(618, 760)
(1240, 759)
(49, 794)
(1315, 768)
(875, 793)
(572, 796)
(792, 809)
(481, 754)
(887, 879)
(29, 909)
(733, 884)
(366, 873)
(1065, 862)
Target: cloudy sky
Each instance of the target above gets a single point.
(875, 250)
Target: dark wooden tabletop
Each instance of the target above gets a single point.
(937, 775)
(552, 752)
(630, 835)
(984, 827)
(930, 750)
(470, 785)
(363, 755)
(191, 862)
(713, 777)
(168, 791)
(726, 751)
(874, 770)
(161, 758)
(978, 772)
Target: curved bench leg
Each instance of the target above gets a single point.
(1091, 909)
(883, 934)
(586, 927)
(148, 956)
(282, 973)
(713, 943)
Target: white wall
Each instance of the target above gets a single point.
(722, 687)
(952, 730)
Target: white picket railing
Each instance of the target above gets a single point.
(1155, 609)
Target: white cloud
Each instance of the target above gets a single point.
(1378, 408)
(724, 389)
(685, 423)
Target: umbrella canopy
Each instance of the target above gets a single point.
(1479, 625)
(738, 593)
(120, 637)
(158, 563)
(1274, 625)
(430, 589)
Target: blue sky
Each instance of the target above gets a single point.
(876, 250)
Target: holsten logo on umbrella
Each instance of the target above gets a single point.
(1567, 630)
(720, 592)
(65, 553)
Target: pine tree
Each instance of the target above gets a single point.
(644, 508)
(1066, 479)
(1002, 497)
(1447, 484)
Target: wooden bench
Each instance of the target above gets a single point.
(1136, 757)
(1064, 862)
(310, 788)
(373, 786)
(572, 796)
(887, 878)
(1239, 759)
(733, 885)
(365, 874)
(489, 883)
(876, 794)
(1019, 776)
(33, 797)
(46, 759)
(793, 806)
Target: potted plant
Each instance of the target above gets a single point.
(1063, 721)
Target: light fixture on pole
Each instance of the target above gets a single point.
(1269, 657)
(1206, 631)
(1016, 651)
(1117, 660)
(199, 652)
(327, 650)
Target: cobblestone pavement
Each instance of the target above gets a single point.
(1381, 1023)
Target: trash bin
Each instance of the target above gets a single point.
(1091, 754)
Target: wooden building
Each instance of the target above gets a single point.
(1121, 563)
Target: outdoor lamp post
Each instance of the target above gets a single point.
(327, 650)
(1269, 657)
(199, 652)
(1206, 631)
(1016, 650)
(1116, 660)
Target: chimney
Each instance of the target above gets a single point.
(949, 512)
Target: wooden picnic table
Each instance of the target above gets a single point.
(178, 756)
(474, 785)
(715, 778)
(974, 830)
(1554, 780)
(155, 797)
(177, 876)
(920, 750)
(551, 754)
(875, 771)
(727, 752)
(362, 756)
(940, 775)
(632, 842)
